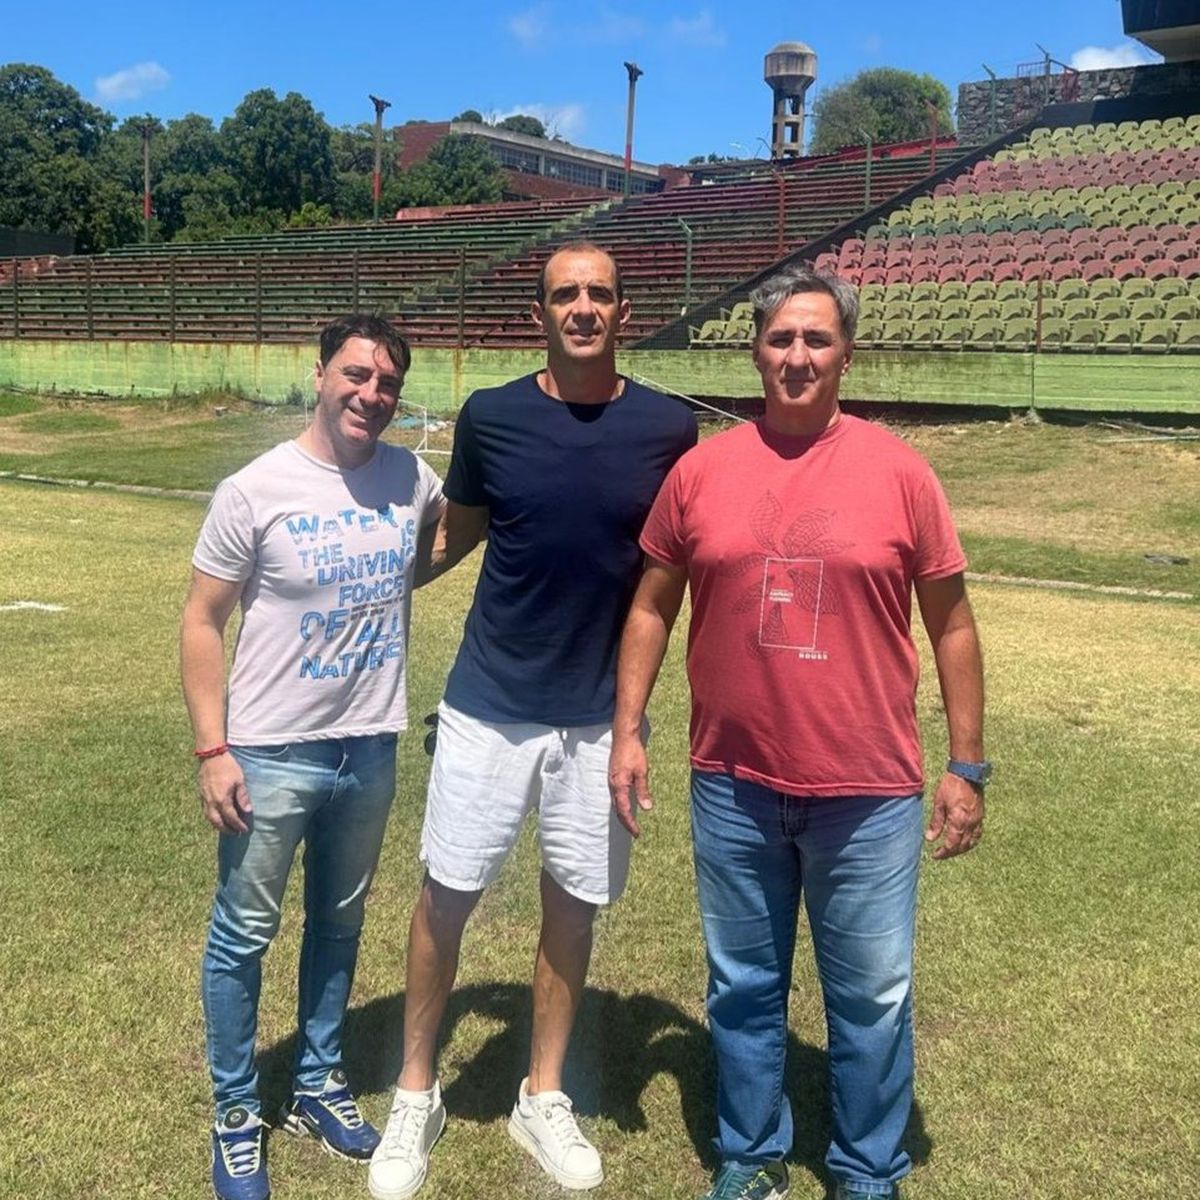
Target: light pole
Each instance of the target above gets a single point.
(991, 104)
(635, 73)
(377, 178)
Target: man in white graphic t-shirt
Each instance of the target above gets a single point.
(321, 541)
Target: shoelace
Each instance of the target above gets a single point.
(401, 1135)
(240, 1152)
(344, 1107)
(557, 1114)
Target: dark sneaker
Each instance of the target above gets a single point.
(239, 1164)
(746, 1181)
(846, 1192)
(333, 1118)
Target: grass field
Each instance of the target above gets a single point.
(1057, 1027)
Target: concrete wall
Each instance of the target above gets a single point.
(440, 380)
(1019, 100)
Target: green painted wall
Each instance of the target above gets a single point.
(440, 380)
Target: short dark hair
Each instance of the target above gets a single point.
(773, 293)
(579, 248)
(365, 325)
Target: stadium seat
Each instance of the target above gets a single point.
(1113, 308)
(1011, 289)
(1055, 332)
(1169, 288)
(925, 291)
(1161, 268)
(1136, 287)
(1187, 335)
(1145, 308)
(1079, 310)
(925, 332)
(1128, 268)
(1156, 337)
(954, 334)
(952, 289)
(1076, 289)
(1119, 336)
(1084, 335)
(1181, 308)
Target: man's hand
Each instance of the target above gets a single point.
(957, 817)
(628, 780)
(223, 795)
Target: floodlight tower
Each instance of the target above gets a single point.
(789, 70)
(377, 177)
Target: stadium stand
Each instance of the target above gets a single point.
(463, 277)
(1045, 244)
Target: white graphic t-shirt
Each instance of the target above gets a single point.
(327, 558)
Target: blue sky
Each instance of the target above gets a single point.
(702, 90)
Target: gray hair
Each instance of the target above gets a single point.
(773, 293)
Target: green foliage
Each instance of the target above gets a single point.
(459, 170)
(310, 214)
(711, 158)
(887, 103)
(469, 114)
(522, 123)
(279, 150)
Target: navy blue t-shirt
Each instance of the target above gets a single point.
(567, 487)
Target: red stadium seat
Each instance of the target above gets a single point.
(898, 274)
(1006, 270)
(872, 275)
(1029, 252)
(1038, 270)
(1068, 268)
(1060, 251)
(923, 272)
(1161, 268)
(1110, 233)
(1097, 268)
(1189, 269)
(950, 271)
(1127, 268)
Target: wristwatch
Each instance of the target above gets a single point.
(978, 773)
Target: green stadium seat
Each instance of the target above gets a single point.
(871, 291)
(1012, 289)
(1017, 308)
(952, 289)
(896, 312)
(985, 334)
(926, 310)
(743, 310)
(710, 331)
(1187, 335)
(954, 334)
(953, 308)
(1101, 289)
(1018, 334)
(1145, 308)
(1112, 308)
(1084, 335)
(1079, 310)
(927, 290)
(1120, 335)
(981, 289)
(979, 311)
(894, 335)
(1156, 337)
(926, 332)
(1168, 288)
(1055, 332)
(1137, 287)
(1181, 308)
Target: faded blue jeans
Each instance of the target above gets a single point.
(854, 860)
(333, 796)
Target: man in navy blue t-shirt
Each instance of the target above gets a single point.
(558, 470)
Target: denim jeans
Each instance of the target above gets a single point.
(334, 796)
(855, 861)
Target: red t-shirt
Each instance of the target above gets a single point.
(801, 554)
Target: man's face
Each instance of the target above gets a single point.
(357, 393)
(581, 316)
(802, 356)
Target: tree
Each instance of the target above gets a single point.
(50, 144)
(458, 170)
(469, 114)
(887, 103)
(522, 123)
(280, 151)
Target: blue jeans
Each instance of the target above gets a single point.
(334, 796)
(855, 860)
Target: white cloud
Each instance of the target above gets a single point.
(531, 26)
(1097, 58)
(700, 30)
(132, 83)
(566, 120)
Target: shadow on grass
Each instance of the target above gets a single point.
(621, 1042)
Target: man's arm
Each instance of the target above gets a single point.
(439, 547)
(957, 805)
(643, 644)
(210, 602)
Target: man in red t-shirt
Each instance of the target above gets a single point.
(802, 538)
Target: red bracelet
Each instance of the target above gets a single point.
(213, 751)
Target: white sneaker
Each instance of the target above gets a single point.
(401, 1159)
(545, 1126)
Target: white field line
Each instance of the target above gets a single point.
(1070, 585)
(1065, 585)
(36, 605)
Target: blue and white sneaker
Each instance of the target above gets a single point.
(239, 1162)
(332, 1117)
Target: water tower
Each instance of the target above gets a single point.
(789, 69)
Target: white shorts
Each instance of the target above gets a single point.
(487, 776)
